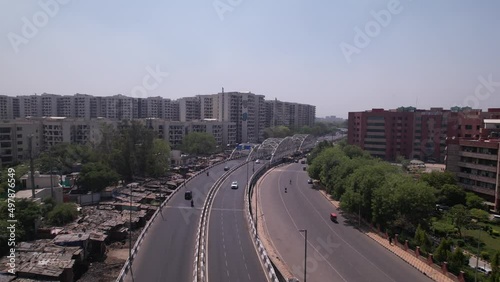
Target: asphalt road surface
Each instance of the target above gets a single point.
(231, 253)
(167, 252)
(335, 251)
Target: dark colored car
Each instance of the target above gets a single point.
(188, 195)
(226, 168)
(309, 181)
(333, 217)
(303, 162)
(304, 168)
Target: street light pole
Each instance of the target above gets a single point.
(477, 255)
(305, 253)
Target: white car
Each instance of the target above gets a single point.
(257, 161)
(234, 185)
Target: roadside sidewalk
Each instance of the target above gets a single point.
(432, 272)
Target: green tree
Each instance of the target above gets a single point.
(443, 250)
(62, 214)
(277, 132)
(403, 203)
(457, 260)
(460, 217)
(495, 268)
(480, 215)
(158, 161)
(438, 179)
(422, 239)
(473, 201)
(364, 181)
(451, 195)
(199, 143)
(97, 176)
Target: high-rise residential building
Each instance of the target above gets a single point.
(476, 163)
(412, 133)
(14, 141)
(6, 107)
(174, 131)
(189, 109)
(49, 104)
(82, 106)
(30, 106)
(247, 110)
(293, 115)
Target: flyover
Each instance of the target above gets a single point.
(231, 253)
(336, 251)
(166, 254)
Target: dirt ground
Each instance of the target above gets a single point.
(108, 270)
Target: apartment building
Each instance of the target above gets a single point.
(14, 141)
(6, 107)
(293, 115)
(174, 131)
(247, 110)
(476, 163)
(413, 133)
(189, 109)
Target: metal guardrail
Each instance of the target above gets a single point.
(128, 263)
(199, 274)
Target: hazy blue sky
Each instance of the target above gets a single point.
(430, 51)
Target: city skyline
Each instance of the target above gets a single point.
(422, 54)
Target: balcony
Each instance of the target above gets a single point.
(478, 155)
(478, 166)
(477, 177)
(480, 190)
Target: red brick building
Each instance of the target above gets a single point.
(413, 133)
(476, 162)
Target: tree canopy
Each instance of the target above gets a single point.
(199, 143)
(97, 176)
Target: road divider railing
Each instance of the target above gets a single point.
(128, 264)
(271, 271)
(200, 255)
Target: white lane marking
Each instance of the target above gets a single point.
(296, 227)
(333, 230)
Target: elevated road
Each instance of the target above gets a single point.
(336, 251)
(231, 253)
(168, 248)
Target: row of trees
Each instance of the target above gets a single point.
(318, 129)
(385, 195)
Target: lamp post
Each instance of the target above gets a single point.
(305, 253)
(477, 255)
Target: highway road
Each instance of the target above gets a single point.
(167, 252)
(231, 253)
(336, 251)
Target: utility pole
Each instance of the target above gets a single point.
(32, 176)
(51, 180)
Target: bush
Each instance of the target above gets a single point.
(62, 214)
(460, 243)
(485, 255)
